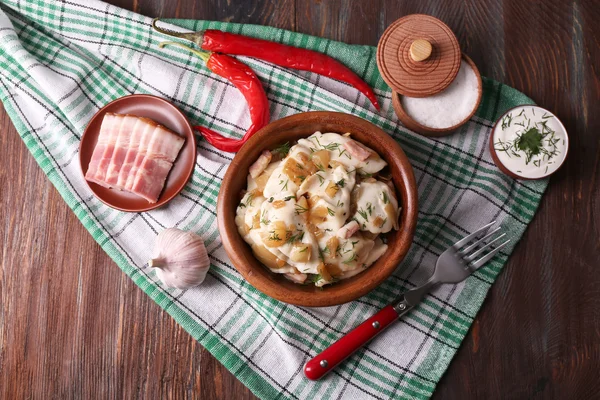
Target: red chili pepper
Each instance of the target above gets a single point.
(276, 53)
(247, 83)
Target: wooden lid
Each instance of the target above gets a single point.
(418, 56)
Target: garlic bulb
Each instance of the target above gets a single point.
(181, 260)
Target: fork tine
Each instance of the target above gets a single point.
(479, 263)
(467, 250)
(481, 250)
(473, 235)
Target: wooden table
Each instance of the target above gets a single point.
(74, 326)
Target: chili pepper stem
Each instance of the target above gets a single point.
(195, 37)
(205, 55)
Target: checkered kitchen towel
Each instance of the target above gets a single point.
(62, 61)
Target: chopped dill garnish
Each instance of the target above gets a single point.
(274, 236)
(299, 209)
(330, 211)
(506, 120)
(529, 142)
(295, 238)
(321, 256)
(249, 201)
(363, 214)
(341, 183)
(321, 179)
(331, 146)
(282, 150)
(386, 199)
(351, 259)
(263, 218)
(370, 208)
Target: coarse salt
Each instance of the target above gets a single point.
(449, 107)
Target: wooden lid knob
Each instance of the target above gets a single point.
(418, 56)
(420, 50)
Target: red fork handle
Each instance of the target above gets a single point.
(348, 344)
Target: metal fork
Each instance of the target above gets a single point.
(453, 266)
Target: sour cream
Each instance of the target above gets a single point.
(530, 142)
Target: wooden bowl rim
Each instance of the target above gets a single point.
(241, 255)
(412, 124)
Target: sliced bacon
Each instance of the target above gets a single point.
(141, 154)
(128, 127)
(348, 230)
(103, 138)
(112, 135)
(260, 164)
(152, 173)
(134, 147)
(135, 154)
(357, 150)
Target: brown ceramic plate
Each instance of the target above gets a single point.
(291, 129)
(164, 113)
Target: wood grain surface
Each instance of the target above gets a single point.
(72, 325)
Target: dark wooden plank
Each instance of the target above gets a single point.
(73, 325)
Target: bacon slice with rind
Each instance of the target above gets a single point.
(103, 138)
(146, 127)
(112, 135)
(152, 173)
(122, 144)
(141, 153)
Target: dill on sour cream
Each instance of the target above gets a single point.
(530, 142)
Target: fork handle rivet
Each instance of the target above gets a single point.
(376, 324)
(323, 363)
(402, 306)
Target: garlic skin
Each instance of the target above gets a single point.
(181, 260)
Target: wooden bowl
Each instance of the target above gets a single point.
(513, 174)
(291, 129)
(415, 126)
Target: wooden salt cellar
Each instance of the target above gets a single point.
(419, 56)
